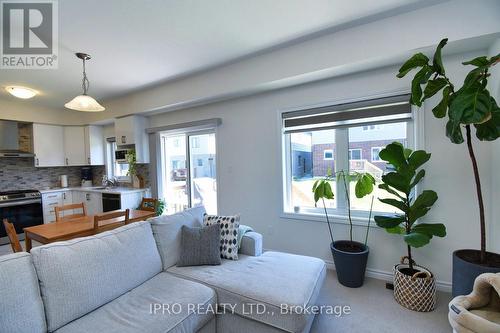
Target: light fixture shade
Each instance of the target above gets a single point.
(84, 103)
(21, 92)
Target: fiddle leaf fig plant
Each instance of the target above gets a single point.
(466, 106)
(401, 184)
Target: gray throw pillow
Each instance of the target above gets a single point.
(200, 246)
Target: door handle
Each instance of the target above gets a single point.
(124, 139)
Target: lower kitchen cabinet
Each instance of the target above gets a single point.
(92, 201)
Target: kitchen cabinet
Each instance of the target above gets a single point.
(94, 145)
(52, 200)
(130, 133)
(74, 145)
(92, 201)
(48, 145)
(68, 145)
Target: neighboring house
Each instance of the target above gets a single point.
(314, 152)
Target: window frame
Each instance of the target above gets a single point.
(328, 158)
(187, 133)
(350, 150)
(415, 139)
(111, 147)
(371, 153)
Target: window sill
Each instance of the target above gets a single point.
(336, 219)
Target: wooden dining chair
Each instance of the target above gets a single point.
(60, 209)
(12, 234)
(149, 204)
(118, 217)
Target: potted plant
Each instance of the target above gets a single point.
(137, 180)
(414, 285)
(469, 106)
(349, 256)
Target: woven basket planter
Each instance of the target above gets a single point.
(417, 292)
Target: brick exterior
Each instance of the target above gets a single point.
(320, 165)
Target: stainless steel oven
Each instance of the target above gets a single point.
(21, 208)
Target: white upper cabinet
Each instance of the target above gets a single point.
(68, 145)
(130, 132)
(74, 145)
(94, 145)
(48, 145)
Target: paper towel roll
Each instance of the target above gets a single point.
(64, 181)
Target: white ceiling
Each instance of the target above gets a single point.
(135, 44)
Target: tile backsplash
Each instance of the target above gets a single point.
(20, 174)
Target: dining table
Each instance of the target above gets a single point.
(77, 227)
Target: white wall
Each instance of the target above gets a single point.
(250, 166)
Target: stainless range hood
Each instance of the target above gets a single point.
(9, 140)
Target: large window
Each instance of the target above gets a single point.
(189, 171)
(316, 144)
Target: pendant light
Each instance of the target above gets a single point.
(84, 102)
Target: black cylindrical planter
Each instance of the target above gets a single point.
(350, 266)
(465, 272)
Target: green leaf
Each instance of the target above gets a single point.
(397, 181)
(416, 90)
(417, 60)
(328, 193)
(417, 178)
(364, 185)
(393, 154)
(396, 230)
(390, 190)
(490, 130)
(395, 203)
(454, 132)
(478, 62)
(416, 213)
(388, 221)
(418, 158)
(437, 62)
(426, 199)
(433, 86)
(440, 109)
(430, 229)
(416, 239)
(471, 106)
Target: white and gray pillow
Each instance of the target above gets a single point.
(228, 234)
(200, 246)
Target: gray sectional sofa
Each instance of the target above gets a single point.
(126, 280)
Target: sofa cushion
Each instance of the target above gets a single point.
(273, 279)
(80, 275)
(200, 246)
(229, 226)
(167, 232)
(21, 307)
(139, 310)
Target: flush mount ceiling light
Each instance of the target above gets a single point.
(21, 92)
(84, 102)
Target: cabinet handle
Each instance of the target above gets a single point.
(64, 195)
(88, 160)
(37, 162)
(52, 196)
(124, 139)
(67, 161)
(87, 196)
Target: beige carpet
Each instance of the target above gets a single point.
(373, 309)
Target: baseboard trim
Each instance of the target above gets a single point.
(387, 276)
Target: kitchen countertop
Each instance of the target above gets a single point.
(99, 189)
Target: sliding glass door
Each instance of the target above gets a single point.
(189, 171)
